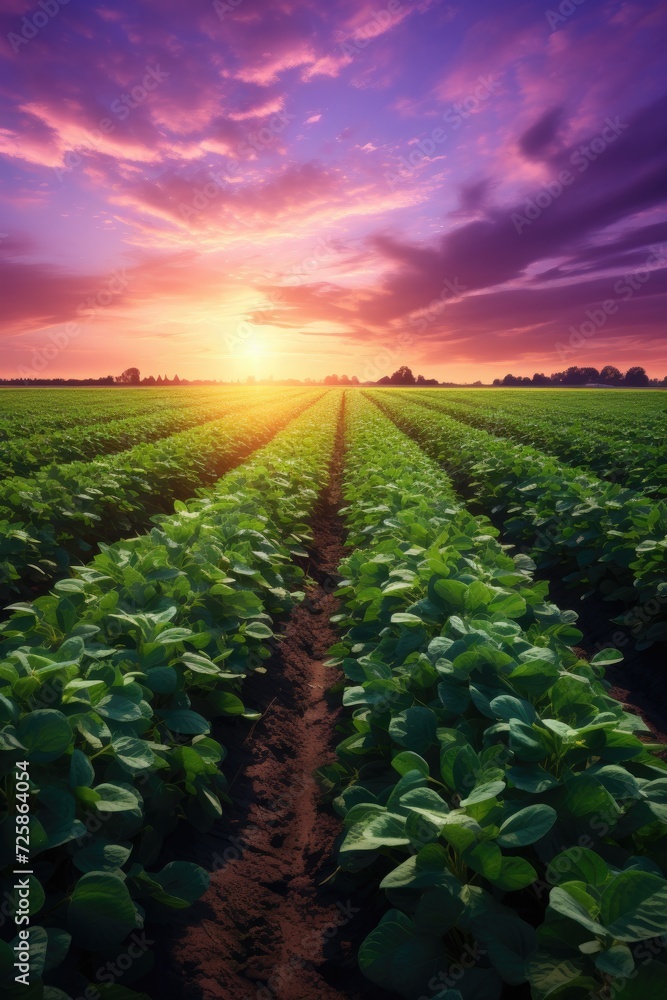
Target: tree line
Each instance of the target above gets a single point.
(634, 377)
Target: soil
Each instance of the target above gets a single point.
(270, 926)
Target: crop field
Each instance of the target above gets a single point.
(333, 693)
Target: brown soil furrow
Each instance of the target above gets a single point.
(268, 929)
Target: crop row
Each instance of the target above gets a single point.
(489, 784)
(25, 412)
(108, 689)
(53, 519)
(626, 446)
(607, 540)
(22, 456)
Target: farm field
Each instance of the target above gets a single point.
(334, 693)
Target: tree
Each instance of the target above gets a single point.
(610, 375)
(510, 380)
(331, 380)
(130, 376)
(403, 376)
(539, 378)
(590, 375)
(635, 376)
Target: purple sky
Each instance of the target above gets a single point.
(252, 187)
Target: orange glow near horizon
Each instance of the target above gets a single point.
(281, 192)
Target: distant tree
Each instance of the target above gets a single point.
(610, 375)
(354, 380)
(539, 378)
(636, 376)
(510, 380)
(402, 376)
(344, 380)
(130, 376)
(177, 380)
(590, 375)
(497, 381)
(158, 380)
(331, 380)
(574, 375)
(385, 380)
(148, 381)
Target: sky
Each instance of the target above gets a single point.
(295, 188)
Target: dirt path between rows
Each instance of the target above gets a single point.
(268, 929)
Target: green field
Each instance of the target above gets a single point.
(492, 796)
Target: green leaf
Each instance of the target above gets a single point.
(484, 858)
(118, 708)
(526, 826)
(182, 882)
(101, 855)
(482, 793)
(45, 734)
(116, 798)
(225, 703)
(564, 902)
(515, 874)
(184, 721)
(606, 657)
(633, 906)
(101, 913)
(616, 961)
(258, 630)
(132, 753)
(414, 728)
(452, 592)
(407, 760)
(81, 771)
(578, 864)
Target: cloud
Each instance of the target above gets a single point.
(541, 136)
(214, 173)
